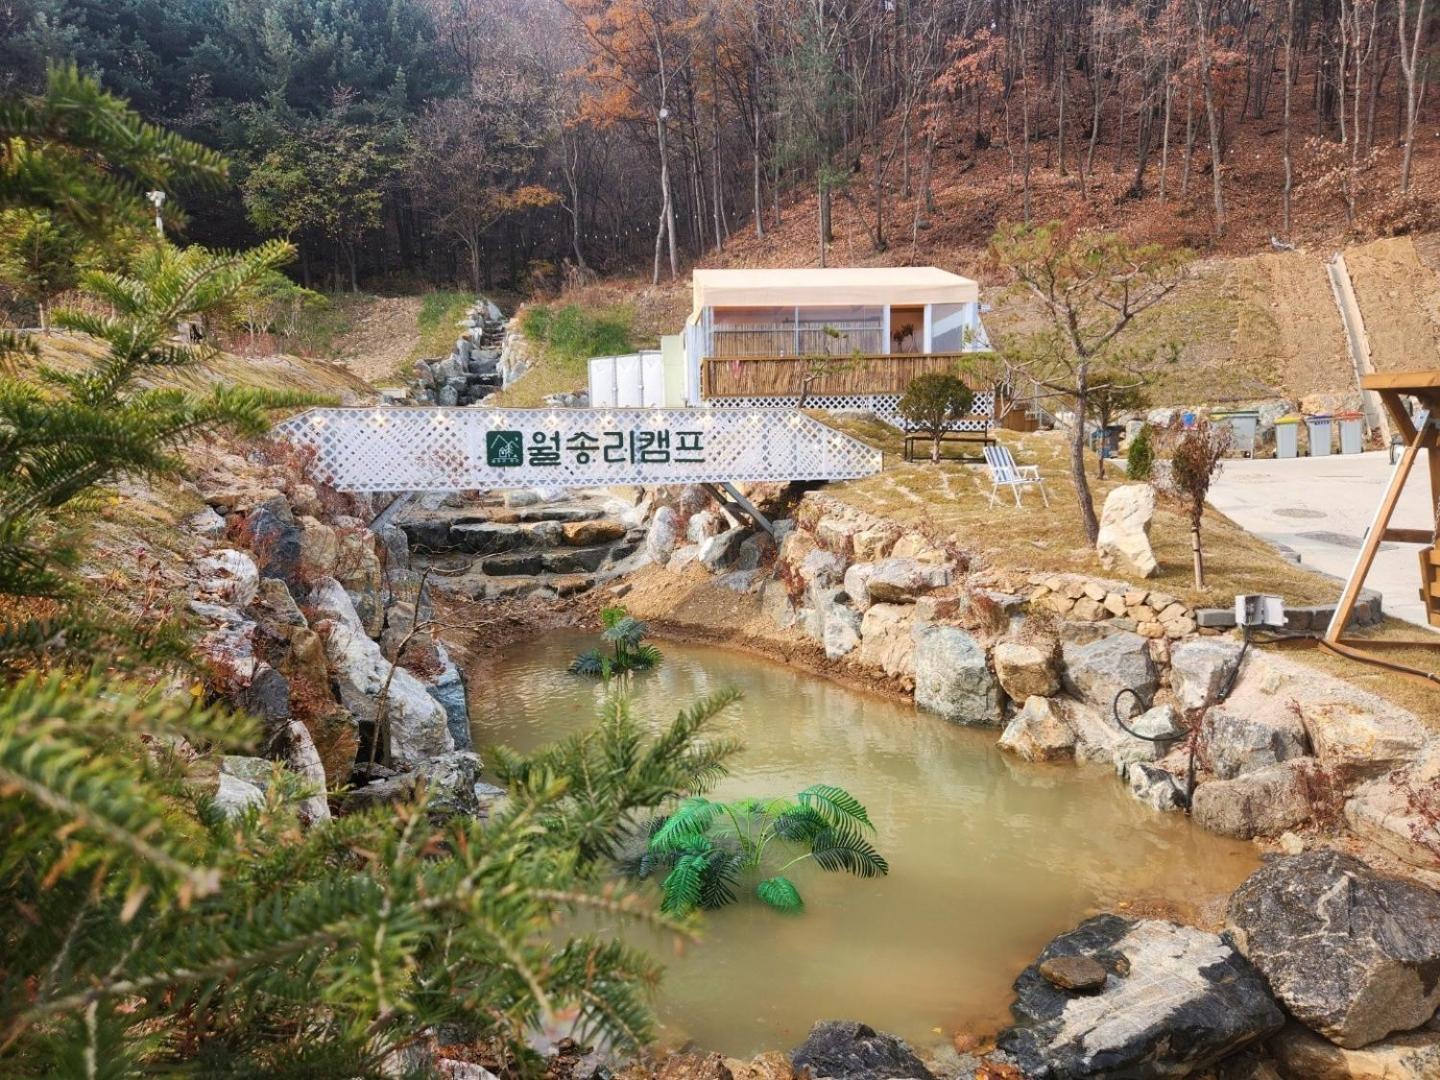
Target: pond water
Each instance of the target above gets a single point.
(989, 857)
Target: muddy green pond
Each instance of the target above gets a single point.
(989, 857)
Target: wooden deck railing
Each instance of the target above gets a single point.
(781, 376)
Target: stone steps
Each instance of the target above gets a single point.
(517, 545)
(513, 530)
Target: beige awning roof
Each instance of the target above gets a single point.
(834, 286)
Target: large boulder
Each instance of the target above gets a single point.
(1124, 539)
(371, 687)
(206, 523)
(857, 584)
(1358, 743)
(1303, 1055)
(1098, 670)
(226, 647)
(1154, 786)
(1199, 669)
(1238, 739)
(849, 1050)
(953, 679)
(319, 549)
(1352, 954)
(719, 551)
(887, 640)
(1398, 811)
(1025, 670)
(228, 577)
(491, 537)
(756, 551)
(830, 620)
(271, 533)
(1156, 731)
(448, 688)
(1176, 1000)
(1038, 732)
(293, 745)
(902, 581)
(396, 546)
(1261, 803)
(358, 569)
(776, 605)
(820, 569)
(702, 525)
(663, 535)
(450, 780)
(234, 796)
(1098, 738)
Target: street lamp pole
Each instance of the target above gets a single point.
(157, 199)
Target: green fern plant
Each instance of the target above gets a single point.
(628, 651)
(706, 848)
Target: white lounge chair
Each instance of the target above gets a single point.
(1004, 473)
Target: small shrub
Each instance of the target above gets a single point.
(932, 403)
(1195, 456)
(1140, 458)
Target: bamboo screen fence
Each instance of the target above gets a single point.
(802, 340)
(780, 376)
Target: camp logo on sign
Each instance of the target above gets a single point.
(437, 449)
(504, 449)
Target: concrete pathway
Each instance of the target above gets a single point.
(1320, 508)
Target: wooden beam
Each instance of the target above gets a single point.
(1373, 537)
(1403, 381)
(1399, 415)
(1409, 536)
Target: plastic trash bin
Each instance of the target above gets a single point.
(1287, 437)
(1352, 432)
(1319, 428)
(1243, 424)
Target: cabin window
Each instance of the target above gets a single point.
(792, 331)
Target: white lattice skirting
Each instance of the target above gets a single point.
(884, 406)
(467, 449)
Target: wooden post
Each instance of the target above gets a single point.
(1422, 438)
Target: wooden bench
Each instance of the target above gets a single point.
(981, 439)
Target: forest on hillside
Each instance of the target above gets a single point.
(532, 143)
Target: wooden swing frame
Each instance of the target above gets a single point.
(1422, 436)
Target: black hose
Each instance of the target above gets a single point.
(1220, 695)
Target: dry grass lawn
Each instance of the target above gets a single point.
(953, 498)
(1420, 698)
(70, 352)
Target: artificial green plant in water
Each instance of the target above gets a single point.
(706, 848)
(628, 651)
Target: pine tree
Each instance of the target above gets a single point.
(150, 931)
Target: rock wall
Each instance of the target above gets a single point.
(316, 623)
(1048, 660)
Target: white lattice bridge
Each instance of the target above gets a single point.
(467, 449)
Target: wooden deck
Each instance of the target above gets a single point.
(781, 376)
